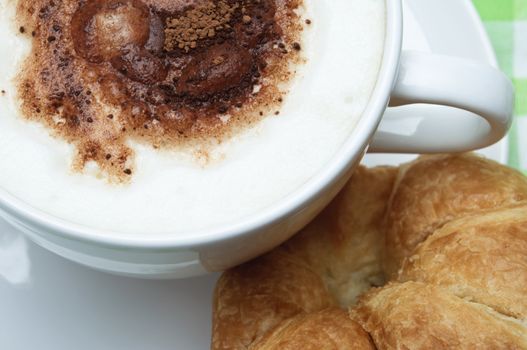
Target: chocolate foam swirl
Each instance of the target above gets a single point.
(165, 73)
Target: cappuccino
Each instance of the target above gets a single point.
(244, 123)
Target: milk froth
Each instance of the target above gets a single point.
(178, 191)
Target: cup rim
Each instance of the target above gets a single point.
(353, 147)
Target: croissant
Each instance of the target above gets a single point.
(430, 255)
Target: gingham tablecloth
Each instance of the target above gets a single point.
(506, 23)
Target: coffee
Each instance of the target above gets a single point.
(108, 71)
(185, 182)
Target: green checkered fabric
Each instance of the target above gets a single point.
(506, 23)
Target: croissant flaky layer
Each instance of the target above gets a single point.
(430, 255)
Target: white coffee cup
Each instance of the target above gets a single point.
(404, 78)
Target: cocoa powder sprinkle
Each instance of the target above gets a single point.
(196, 24)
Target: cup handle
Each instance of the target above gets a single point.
(427, 88)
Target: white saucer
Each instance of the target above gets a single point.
(48, 303)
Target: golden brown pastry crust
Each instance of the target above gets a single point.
(252, 299)
(343, 244)
(482, 258)
(415, 315)
(436, 189)
(329, 329)
(455, 229)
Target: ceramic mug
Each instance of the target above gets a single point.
(404, 78)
